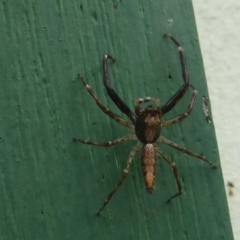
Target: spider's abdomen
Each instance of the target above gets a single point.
(148, 125)
(148, 160)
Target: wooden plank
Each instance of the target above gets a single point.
(51, 188)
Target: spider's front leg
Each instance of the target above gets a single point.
(184, 115)
(179, 94)
(105, 109)
(111, 92)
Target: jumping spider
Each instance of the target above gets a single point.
(147, 125)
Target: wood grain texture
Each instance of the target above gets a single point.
(50, 187)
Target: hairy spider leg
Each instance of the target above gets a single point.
(111, 92)
(175, 172)
(139, 101)
(184, 115)
(179, 94)
(124, 175)
(184, 150)
(109, 143)
(105, 109)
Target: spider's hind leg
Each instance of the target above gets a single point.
(175, 172)
(123, 177)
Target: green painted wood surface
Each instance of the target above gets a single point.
(51, 188)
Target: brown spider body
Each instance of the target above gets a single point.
(148, 162)
(147, 124)
(147, 129)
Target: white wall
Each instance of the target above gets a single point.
(218, 24)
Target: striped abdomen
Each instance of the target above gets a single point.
(148, 160)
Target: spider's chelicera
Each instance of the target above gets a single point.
(147, 124)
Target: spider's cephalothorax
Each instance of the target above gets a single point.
(147, 124)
